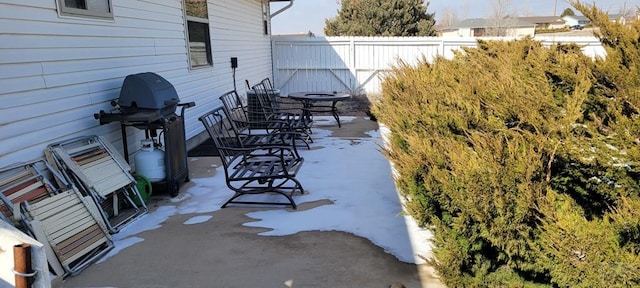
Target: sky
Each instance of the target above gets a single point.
(310, 15)
(351, 174)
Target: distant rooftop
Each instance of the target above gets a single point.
(579, 17)
(488, 23)
(542, 19)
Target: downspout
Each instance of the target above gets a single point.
(281, 9)
(271, 17)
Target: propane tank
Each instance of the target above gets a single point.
(150, 162)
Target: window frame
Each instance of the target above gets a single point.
(208, 45)
(63, 10)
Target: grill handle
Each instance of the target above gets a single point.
(188, 104)
(171, 102)
(185, 105)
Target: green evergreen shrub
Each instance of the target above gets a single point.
(523, 159)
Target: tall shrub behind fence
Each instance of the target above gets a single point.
(523, 159)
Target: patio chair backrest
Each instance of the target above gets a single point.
(267, 100)
(271, 92)
(219, 128)
(235, 110)
(267, 83)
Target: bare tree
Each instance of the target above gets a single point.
(448, 17)
(628, 13)
(501, 20)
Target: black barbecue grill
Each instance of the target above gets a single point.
(147, 92)
(149, 102)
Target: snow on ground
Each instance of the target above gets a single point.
(351, 174)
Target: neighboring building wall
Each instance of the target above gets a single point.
(450, 33)
(56, 72)
(545, 22)
(575, 20)
(480, 32)
(521, 31)
(466, 32)
(556, 25)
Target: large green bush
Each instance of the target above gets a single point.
(524, 159)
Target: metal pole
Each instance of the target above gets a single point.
(555, 8)
(22, 265)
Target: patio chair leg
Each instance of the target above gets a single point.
(291, 202)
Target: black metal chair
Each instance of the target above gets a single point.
(276, 103)
(253, 170)
(274, 96)
(273, 132)
(248, 119)
(295, 121)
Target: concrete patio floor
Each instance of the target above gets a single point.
(221, 252)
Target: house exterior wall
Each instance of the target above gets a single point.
(479, 32)
(573, 20)
(56, 72)
(557, 25)
(570, 21)
(521, 31)
(460, 32)
(450, 33)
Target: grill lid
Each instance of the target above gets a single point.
(147, 91)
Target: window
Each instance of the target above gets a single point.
(86, 8)
(198, 33)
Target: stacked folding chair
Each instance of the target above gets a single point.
(95, 167)
(39, 201)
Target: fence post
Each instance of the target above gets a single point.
(22, 265)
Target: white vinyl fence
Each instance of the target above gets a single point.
(356, 64)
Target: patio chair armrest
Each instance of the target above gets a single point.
(269, 150)
(283, 152)
(280, 155)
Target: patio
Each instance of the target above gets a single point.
(349, 232)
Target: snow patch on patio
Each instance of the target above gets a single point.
(351, 173)
(197, 220)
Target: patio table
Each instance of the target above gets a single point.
(317, 102)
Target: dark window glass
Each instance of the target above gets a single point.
(199, 44)
(78, 4)
(89, 8)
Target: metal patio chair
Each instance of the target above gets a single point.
(249, 119)
(293, 117)
(261, 129)
(97, 170)
(44, 205)
(253, 172)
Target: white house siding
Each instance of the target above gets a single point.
(521, 31)
(56, 72)
(460, 32)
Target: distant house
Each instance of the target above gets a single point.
(301, 34)
(478, 27)
(618, 18)
(573, 20)
(545, 22)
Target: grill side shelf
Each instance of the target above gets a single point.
(138, 117)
